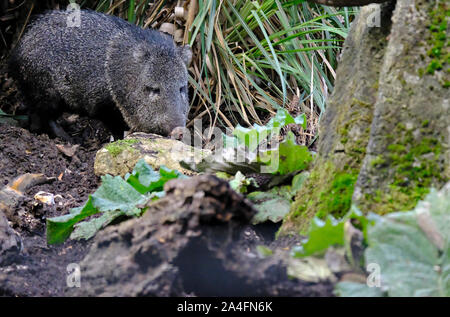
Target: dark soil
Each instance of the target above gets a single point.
(41, 269)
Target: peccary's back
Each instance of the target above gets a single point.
(62, 63)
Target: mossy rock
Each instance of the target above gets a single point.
(120, 157)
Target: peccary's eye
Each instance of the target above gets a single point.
(152, 90)
(183, 90)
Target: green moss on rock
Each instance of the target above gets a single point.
(438, 41)
(117, 147)
(415, 167)
(327, 191)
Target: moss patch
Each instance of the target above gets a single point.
(438, 42)
(328, 190)
(115, 148)
(415, 167)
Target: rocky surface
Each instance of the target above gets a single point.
(120, 157)
(384, 137)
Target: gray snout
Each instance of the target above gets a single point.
(177, 133)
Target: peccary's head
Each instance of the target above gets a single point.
(154, 91)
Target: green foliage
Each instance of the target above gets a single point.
(274, 205)
(240, 183)
(412, 249)
(280, 158)
(270, 206)
(289, 155)
(116, 197)
(255, 55)
(252, 137)
(326, 233)
(144, 179)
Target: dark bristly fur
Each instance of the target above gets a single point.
(105, 61)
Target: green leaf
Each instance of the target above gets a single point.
(114, 198)
(88, 229)
(144, 179)
(240, 183)
(60, 228)
(352, 289)
(252, 137)
(412, 248)
(298, 181)
(113, 194)
(322, 235)
(270, 206)
(288, 157)
(116, 194)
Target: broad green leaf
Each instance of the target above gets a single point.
(144, 179)
(352, 289)
(116, 194)
(252, 137)
(270, 206)
(88, 229)
(322, 235)
(60, 228)
(288, 157)
(412, 248)
(113, 194)
(114, 198)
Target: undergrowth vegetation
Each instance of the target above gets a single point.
(250, 57)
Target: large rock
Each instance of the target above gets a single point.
(409, 144)
(384, 136)
(120, 157)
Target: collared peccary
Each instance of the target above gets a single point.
(101, 64)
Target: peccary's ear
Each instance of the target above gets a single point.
(185, 54)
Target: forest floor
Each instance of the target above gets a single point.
(41, 269)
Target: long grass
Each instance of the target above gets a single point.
(253, 57)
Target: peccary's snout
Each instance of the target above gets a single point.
(177, 133)
(175, 124)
